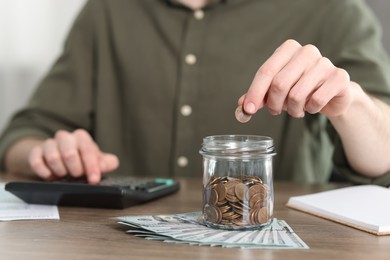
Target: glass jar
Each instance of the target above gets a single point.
(237, 181)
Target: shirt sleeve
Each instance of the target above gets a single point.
(342, 167)
(63, 99)
(355, 37)
(352, 39)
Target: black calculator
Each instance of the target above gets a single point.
(112, 192)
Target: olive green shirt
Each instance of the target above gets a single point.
(149, 79)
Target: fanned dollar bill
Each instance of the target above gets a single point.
(188, 228)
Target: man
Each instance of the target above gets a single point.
(146, 80)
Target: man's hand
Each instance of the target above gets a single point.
(298, 79)
(70, 154)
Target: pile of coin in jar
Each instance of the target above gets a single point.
(236, 202)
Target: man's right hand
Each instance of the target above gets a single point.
(73, 154)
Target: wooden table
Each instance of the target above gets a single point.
(85, 233)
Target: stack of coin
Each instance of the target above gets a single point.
(236, 201)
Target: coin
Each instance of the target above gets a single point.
(239, 211)
(215, 180)
(236, 201)
(262, 215)
(212, 196)
(230, 185)
(259, 204)
(221, 190)
(231, 198)
(255, 199)
(257, 180)
(241, 116)
(222, 203)
(213, 214)
(251, 217)
(257, 188)
(228, 215)
(225, 208)
(241, 190)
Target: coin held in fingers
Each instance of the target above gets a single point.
(241, 116)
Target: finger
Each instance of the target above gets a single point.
(53, 158)
(241, 100)
(333, 97)
(255, 97)
(37, 163)
(90, 154)
(289, 75)
(310, 81)
(108, 162)
(68, 148)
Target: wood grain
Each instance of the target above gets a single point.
(85, 233)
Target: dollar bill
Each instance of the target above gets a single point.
(188, 228)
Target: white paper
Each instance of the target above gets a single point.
(13, 208)
(366, 205)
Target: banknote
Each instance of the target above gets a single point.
(188, 228)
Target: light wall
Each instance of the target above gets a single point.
(31, 36)
(382, 9)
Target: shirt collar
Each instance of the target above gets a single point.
(212, 2)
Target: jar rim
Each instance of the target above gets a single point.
(243, 145)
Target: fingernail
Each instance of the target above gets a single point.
(250, 108)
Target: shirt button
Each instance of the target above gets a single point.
(186, 110)
(199, 14)
(182, 161)
(190, 59)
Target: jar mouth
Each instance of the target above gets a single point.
(244, 145)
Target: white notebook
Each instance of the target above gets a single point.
(365, 207)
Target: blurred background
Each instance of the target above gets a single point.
(31, 37)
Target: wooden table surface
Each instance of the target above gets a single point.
(87, 233)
